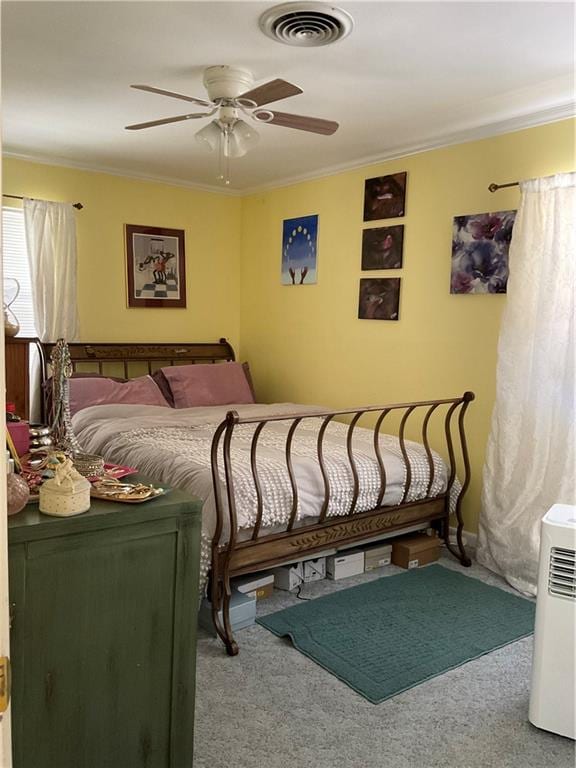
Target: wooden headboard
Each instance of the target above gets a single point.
(128, 360)
(94, 357)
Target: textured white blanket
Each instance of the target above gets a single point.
(173, 447)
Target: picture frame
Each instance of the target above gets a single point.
(155, 267)
(300, 250)
(382, 247)
(385, 197)
(379, 298)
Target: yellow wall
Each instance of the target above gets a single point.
(211, 222)
(305, 344)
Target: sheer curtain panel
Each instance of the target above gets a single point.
(530, 459)
(51, 246)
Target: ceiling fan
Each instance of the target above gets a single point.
(230, 94)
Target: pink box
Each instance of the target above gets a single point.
(20, 434)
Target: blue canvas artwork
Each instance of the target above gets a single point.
(480, 244)
(299, 250)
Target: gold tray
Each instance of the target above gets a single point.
(96, 494)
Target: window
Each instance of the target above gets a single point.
(15, 264)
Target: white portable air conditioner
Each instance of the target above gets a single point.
(552, 705)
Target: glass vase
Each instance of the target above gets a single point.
(17, 493)
(11, 291)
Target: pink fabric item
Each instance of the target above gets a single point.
(213, 384)
(85, 392)
(20, 434)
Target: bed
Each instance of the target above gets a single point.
(280, 482)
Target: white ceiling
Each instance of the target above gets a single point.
(411, 75)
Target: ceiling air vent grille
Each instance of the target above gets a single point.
(306, 24)
(562, 575)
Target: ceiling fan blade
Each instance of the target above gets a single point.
(191, 99)
(272, 91)
(303, 123)
(166, 120)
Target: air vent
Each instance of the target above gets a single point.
(306, 24)
(562, 575)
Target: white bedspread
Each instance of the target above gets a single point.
(172, 446)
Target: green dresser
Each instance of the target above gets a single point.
(103, 641)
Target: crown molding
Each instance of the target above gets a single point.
(96, 168)
(534, 119)
(510, 125)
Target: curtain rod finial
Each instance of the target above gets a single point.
(493, 187)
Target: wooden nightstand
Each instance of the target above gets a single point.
(103, 640)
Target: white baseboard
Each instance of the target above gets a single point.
(470, 539)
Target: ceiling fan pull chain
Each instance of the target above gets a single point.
(221, 157)
(226, 144)
(224, 156)
(227, 170)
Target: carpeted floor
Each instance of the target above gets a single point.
(271, 707)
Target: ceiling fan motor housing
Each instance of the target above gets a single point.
(224, 82)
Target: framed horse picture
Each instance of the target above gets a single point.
(156, 268)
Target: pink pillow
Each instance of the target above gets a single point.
(102, 391)
(213, 384)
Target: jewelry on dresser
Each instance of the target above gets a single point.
(40, 438)
(117, 491)
(62, 432)
(88, 464)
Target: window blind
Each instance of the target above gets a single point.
(15, 264)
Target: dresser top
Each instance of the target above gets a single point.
(31, 524)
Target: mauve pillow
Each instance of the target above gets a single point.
(213, 384)
(85, 392)
(162, 383)
(48, 385)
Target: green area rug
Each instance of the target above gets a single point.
(388, 635)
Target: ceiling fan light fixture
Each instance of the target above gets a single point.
(245, 137)
(210, 136)
(306, 24)
(232, 139)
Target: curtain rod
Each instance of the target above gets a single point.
(79, 206)
(495, 187)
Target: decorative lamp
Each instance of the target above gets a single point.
(11, 291)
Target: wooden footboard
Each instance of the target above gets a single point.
(232, 556)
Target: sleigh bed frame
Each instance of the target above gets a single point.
(234, 555)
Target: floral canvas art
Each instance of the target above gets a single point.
(480, 244)
(299, 250)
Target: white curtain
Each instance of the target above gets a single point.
(530, 460)
(51, 244)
